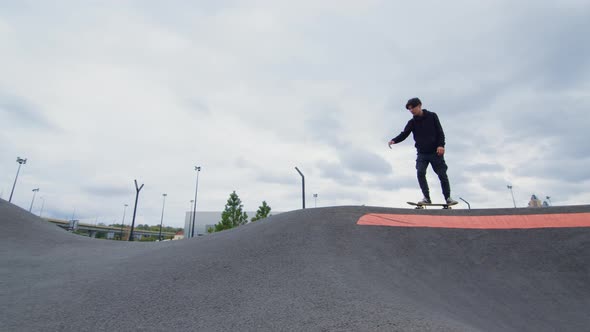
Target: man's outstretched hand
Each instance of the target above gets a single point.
(440, 151)
(391, 143)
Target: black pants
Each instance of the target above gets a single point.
(440, 168)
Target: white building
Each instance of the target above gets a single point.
(206, 219)
(203, 219)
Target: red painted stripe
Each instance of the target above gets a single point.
(562, 220)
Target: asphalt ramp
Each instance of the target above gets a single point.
(324, 269)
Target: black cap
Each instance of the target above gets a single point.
(413, 103)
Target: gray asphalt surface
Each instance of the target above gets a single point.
(306, 270)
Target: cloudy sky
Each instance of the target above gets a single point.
(98, 93)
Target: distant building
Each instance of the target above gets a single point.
(205, 220)
(178, 236)
(535, 202)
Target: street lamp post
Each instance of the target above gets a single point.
(302, 185)
(20, 162)
(137, 190)
(512, 193)
(162, 220)
(35, 191)
(198, 169)
(187, 232)
(42, 206)
(123, 221)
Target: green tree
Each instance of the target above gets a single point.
(263, 212)
(233, 215)
(144, 227)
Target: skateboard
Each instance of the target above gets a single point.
(422, 206)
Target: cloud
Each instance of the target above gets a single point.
(483, 168)
(359, 160)
(337, 172)
(323, 125)
(19, 111)
(198, 107)
(393, 183)
(248, 90)
(552, 69)
(282, 179)
(340, 197)
(106, 191)
(573, 171)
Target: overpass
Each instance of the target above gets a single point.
(111, 232)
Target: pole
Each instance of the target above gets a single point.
(20, 162)
(33, 200)
(198, 169)
(302, 185)
(187, 232)
(162, 220)
(468, 205)
(123, 222)
(512, 193)
(42, 206)
(135, 209)
(315, 197)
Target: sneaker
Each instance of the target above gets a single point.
(451, 201)
(424, 200)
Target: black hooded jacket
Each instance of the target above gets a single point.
(428, 132)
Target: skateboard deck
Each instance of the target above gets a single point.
(423, 206)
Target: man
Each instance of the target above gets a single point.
(430, 144)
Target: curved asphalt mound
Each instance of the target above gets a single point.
(305, 270)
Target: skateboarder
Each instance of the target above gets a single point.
(430, 144)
